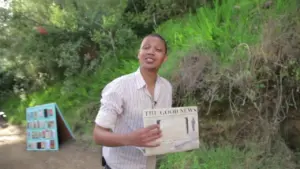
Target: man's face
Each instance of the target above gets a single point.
(152, 53)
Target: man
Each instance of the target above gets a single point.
(119, 123)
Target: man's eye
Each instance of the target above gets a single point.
(159, 50)
(146, 47)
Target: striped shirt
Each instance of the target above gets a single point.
(122, 103)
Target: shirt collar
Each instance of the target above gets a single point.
(140, 82)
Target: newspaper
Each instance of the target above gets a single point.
(180, 131)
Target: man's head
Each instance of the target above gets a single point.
(153, 52)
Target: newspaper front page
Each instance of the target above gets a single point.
(180, 131)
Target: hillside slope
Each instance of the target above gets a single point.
(237, 61)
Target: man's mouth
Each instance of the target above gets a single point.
(149, 60)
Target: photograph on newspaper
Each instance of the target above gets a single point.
(179, 126)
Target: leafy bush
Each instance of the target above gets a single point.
(84, 91)
(244, 80)
(227, 66)
(143, 15)
(71, 37)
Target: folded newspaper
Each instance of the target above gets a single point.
(180, 131)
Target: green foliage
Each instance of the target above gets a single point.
(224, 157)
(219, 29)
(205, 158)
(227, 29)
(143, 15)
(229, 25)
(81, 91)
(79, 35)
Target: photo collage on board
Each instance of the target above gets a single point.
(41, 130)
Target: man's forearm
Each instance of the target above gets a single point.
(107, 138)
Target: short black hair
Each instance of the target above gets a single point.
(161, 38)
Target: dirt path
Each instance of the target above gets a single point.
(72, 155)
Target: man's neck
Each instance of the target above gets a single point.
(149, 76)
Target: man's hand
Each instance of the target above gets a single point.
(144, 137)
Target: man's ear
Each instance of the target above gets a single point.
(166, 58)
(138, 54)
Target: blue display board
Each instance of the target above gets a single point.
(46, 128)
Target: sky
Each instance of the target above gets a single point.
(3, 4)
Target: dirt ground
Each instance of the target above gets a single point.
(71, 155)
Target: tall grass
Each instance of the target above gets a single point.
(221, 30)
(230, 26)
(225, 31)
(214, 158)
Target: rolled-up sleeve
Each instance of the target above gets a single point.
(111, 105)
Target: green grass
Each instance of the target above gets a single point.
(226, 157)
(214, 158)
(220, 30)
(226, 32)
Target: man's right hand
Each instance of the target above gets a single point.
(144, 137)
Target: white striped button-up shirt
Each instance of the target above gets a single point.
(122, 104)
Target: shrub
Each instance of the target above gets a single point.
(251, 96)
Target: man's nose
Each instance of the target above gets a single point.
(151, 51)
